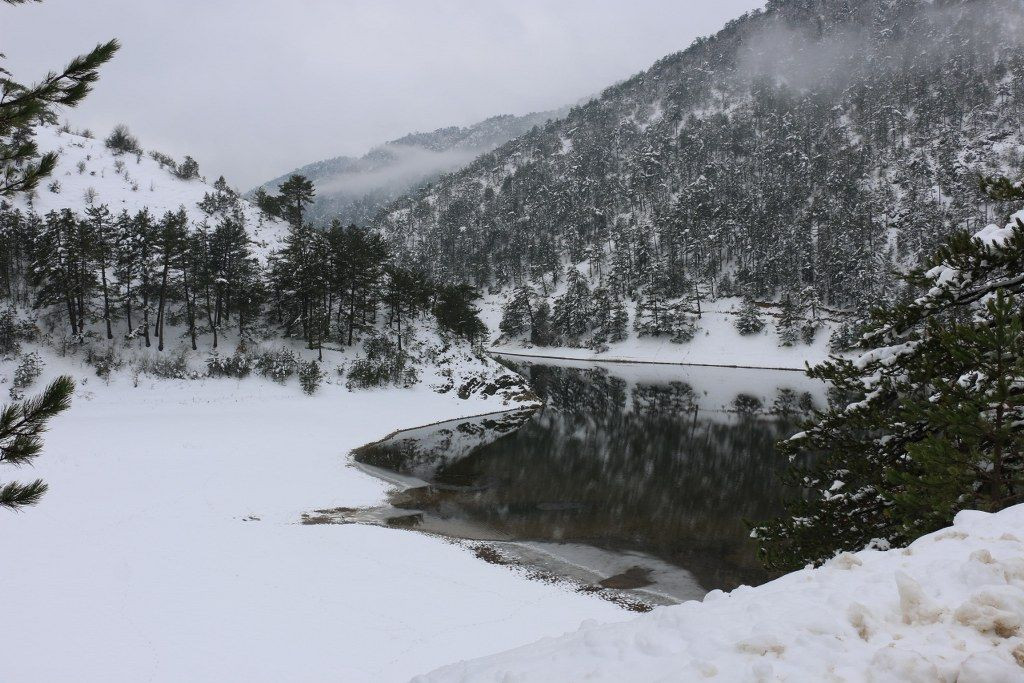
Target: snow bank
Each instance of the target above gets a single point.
(950, 607)
(993, 235)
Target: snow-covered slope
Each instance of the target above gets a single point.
(950, 607)
(127, 182)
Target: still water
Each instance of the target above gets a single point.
(634, 477)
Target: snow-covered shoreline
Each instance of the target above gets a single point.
(588, 356)
(170, 547)
(716, 344)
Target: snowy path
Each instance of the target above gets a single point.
(140, 564)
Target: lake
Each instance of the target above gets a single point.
(635, 478)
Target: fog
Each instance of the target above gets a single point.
(800, 60)
(410, 165)
(254, 88)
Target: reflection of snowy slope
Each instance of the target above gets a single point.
(419, 453)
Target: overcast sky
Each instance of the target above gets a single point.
(255, 88)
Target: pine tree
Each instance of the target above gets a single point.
(610, 319)
(61, 266)
(572, 311)
(790, 321)
(171, 236)
(127, 263)
(406, 293)
(296, 193)
(456, 313)
(749, 320)
(684, 324)
(541, 332)
(101, 236)
(518, 316)
(926, 422)
(654, 314)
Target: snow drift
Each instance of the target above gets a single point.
(949, 607)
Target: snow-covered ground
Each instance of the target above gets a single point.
(950, 607)
(717, 343)
(169, 546)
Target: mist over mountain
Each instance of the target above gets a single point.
(811, 148)
(355, 189)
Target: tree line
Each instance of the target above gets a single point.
(143, 274)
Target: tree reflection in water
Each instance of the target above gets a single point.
(668, 462)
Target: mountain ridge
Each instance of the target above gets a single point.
(354, 189)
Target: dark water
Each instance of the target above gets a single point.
(660, 461)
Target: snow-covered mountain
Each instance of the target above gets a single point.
(355, 189)
(812, 147)
(90, 173)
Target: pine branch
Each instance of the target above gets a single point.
(1001, 189)
(66, 88)
(21, 425)
(14, 495)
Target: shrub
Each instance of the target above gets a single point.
(237, 365)
(310, 377)
(121, 141)
(171, 366)
(164, 160)
(105, 361)
(30, 366)
(382, 364)
(14, 331)
(187, 169)
(276, 365)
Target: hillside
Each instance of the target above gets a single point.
(128, 182)
(800, 156)
(179, 278)
(355, 189)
